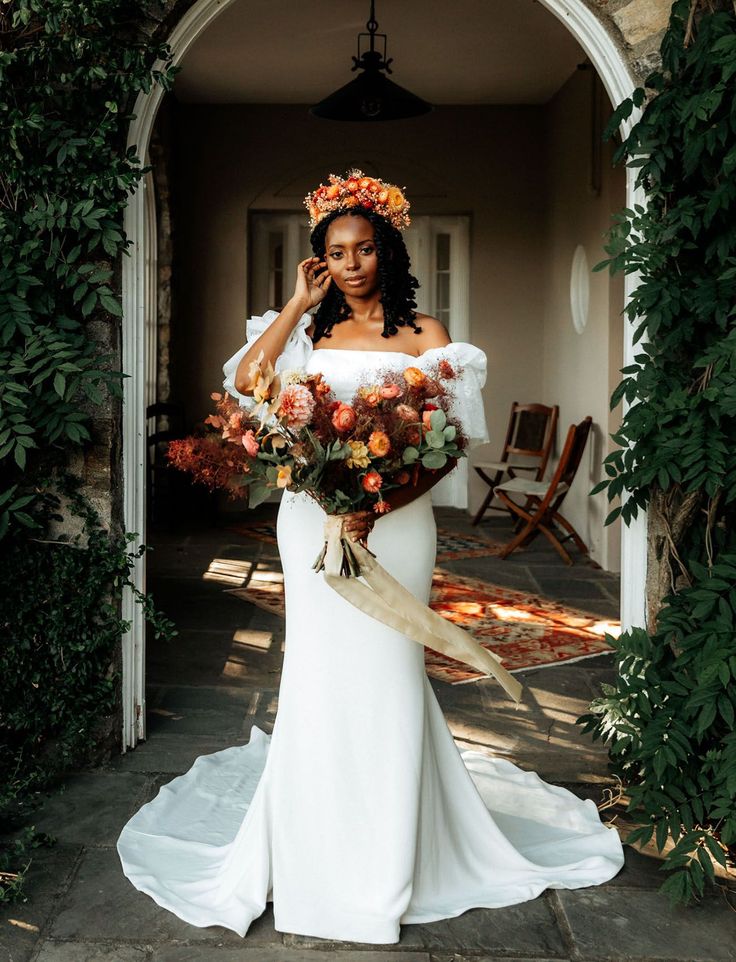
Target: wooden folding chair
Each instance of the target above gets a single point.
(545, 497)
(530, 433)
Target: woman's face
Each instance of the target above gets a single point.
(351, 255)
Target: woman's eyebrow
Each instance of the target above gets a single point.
(368, 240)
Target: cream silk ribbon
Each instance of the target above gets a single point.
(388, 601)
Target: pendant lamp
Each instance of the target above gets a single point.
(371, 96)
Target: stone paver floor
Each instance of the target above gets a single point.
(220, 675)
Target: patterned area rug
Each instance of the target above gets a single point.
(524, 629)
(450, 544)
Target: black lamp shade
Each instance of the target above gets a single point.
(371, 96)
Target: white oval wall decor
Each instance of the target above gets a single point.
(579, 289)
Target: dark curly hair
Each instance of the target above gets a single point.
(396, 282)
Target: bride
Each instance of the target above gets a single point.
(358, 813)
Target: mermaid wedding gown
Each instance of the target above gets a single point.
(358, 813)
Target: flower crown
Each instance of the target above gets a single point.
(357, 190)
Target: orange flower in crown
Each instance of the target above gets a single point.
(357, 190)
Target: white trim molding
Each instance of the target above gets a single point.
(619, 83)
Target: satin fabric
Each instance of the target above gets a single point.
(358, 813)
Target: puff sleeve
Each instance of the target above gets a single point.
(295, 354)
(467, 403)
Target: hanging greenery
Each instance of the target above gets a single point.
(70, 71)
(670, 716)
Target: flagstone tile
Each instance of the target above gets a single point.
(101, 904)
(91, 807)
(21, 923)
(92, 952)
(625, 924)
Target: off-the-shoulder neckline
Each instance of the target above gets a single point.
(356, 350)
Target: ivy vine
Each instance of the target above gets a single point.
(68, 71)
(670, 717)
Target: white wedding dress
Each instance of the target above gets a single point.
(358, 813)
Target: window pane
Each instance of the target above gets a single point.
(443, 294)
(443, 252)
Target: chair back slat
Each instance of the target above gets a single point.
(572, 454)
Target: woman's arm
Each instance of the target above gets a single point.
(312, 283)
(272, 342)
(398, 497)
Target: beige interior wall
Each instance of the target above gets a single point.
(481, 161)
(519, 172)
(581, 370)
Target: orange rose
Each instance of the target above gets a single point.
(414, 377)
(372, 481)
(365, 182)
(344, 417)
(373, 187)
(352, 185)
(379, 444)
(333, 191)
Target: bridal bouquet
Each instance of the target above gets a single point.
(298, 436)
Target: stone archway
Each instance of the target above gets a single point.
(589, 31)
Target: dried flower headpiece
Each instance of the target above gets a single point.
(357, 190)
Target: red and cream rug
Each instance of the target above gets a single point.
(450, 544)
(524, 629)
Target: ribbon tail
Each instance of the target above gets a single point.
(388, 601)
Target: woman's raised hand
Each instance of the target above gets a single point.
(312, 281)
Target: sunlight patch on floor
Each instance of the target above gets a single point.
(228, 571)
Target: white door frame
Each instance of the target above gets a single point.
(619, 84)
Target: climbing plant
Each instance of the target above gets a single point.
(70, 71)
(670, 716)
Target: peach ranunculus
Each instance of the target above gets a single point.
(414, 377)
(344, 417)
(250, 443)
(358, 455)
(406, 412)
(390, 390)
(379, 444)
(284, 476)
(372, 481)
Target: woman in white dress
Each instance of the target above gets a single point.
(358, 813)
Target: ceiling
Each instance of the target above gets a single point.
(459, 52)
